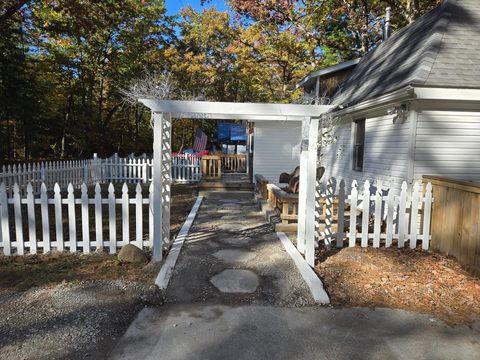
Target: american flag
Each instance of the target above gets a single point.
(200, 142)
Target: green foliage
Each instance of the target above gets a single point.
(69, 62)
(64, 63)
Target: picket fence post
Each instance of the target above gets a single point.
(45, 219)
(414, 215)
(427, 213)
(341, 214)
(85, 219)
(17, 208)
(58, 217)
(365, 213)
(5, 228)
(353, 214)
(125, 215)
(32, 234)
(139, 216)
(402, 219)
(72, 228)
(377, 217)
(390, 212)
(112, 219)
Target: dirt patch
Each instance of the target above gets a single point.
(20, 273)
(72, 306)
(403, 279)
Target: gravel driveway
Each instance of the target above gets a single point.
(78, 320)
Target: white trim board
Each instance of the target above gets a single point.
(230, 110)
(313, 281)
(166, 271)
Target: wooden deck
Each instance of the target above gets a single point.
(227, 182)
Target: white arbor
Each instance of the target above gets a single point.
(164, 110)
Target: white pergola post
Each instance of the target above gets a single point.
(157, 185)
(310, 190)
(302, 191)
(166, 176)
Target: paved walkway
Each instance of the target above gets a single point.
(233, 257)
(236, 294)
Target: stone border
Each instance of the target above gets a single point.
(165, 273)
(313, 281)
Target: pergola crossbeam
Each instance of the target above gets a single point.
(230, 110)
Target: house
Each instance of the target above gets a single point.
(277, 144)
(411, 107)
(276, 148)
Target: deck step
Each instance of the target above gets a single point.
(225, 186)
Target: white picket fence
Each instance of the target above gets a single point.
(75, 172)
(185, 169)
(380, 217)
(73, 221)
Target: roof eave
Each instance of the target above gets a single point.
(403, 94)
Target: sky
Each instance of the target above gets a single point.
(174, 6)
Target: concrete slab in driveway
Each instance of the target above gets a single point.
(184, 332)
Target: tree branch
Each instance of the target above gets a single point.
(12, 9)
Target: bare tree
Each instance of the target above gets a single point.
(151, 85)
(162, 86)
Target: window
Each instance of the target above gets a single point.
(358, 144)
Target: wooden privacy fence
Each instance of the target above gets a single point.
(456, 220)
(74, 221)
(373, 216)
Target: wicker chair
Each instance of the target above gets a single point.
(285, 177)
(294, 181)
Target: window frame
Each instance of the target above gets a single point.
(358, 148)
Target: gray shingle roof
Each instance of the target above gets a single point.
(440, 49)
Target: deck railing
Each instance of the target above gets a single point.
(234, 163)
(212, 166)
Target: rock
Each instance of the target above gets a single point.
(132, 254)
(235, 281)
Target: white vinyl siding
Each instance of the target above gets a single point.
(386, 153)
(448, 144)
(276, 148)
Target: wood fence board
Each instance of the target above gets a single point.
(455, 220)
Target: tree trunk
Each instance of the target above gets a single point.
(412, 10)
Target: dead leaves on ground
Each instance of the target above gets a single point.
(403, 279)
